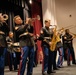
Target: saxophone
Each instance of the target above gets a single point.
(54, 40)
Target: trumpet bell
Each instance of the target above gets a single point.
(38, 17)
(5, 17)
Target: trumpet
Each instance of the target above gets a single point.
(30, 20)
(5, 17)
(33, 19)
(37, 17)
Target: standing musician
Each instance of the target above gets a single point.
(68, 46)
(4, 29)
(59, 47)
(54, 40)
(25, 35)
(45, 36)
(11, 52)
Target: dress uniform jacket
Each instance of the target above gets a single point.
(22, 34)
(4, 29)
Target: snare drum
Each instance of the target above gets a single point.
(16, 44)
(16, 47)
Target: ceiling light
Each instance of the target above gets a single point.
(30, 1)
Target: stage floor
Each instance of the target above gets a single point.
(66, 70)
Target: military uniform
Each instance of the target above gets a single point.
(68, 46)
(11, 54)
(27, 48)
(45, 36)
(4, 29)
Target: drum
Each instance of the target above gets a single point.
(16, 47)
(16, 44)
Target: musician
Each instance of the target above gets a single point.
(59, 47)
(25, 35)
(35, 54)
(68, 46)
(54, 34)
(11, 52)
(45, 36)
(4, 29)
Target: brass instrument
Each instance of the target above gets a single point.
(37, 17)
(55, 39)
(5, 17)
(30, 20)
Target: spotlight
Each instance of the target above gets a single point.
(30, 1)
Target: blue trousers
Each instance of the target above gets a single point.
(45, 58)
(61, 56)
(26, 52)
(2, 62)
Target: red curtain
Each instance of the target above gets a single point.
(36, 9)
(39, 0)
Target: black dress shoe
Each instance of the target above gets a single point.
(49, 73)
(30, 74)
(56, 68)
(53, 72)
(74, 63)
(11, 69)
(60, 66)
(68, 64)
